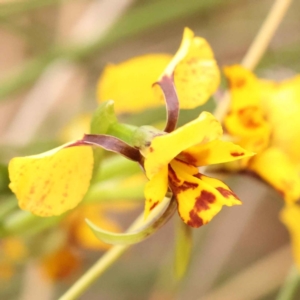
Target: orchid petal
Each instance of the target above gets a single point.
(165, 147)
(199, 200)
(275, 167)
(214, 152)
(156, 189)
(53, 182)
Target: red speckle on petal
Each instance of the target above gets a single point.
(235, 154)
(153, 205)
(198, 175)
(151, 149)
(237, 83)
(187, 157)
(203, 201)
(226, 193)
(172, 175)
(32, 190)
(195, 221)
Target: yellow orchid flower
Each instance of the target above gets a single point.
(172, 160)
(263, 118)
(130, 83)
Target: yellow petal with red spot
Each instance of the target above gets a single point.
(274, 166)
(214, 152)
(244, 87)
(166, 147)
(196, 75)
(248, 123)
(53, 182)
(223, 189)
(290, 216)
(281, 105)
(198, 200)
(129, 83)
(156, 189)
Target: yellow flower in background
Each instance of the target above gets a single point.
(61, 263)
(53, 182)
(281, 106)
(245, 120)
(12, 253)
(263, 117)
(130, 83)
(199, 197)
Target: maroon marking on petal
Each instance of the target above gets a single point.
(203, 201)
(235, 154)
(153, 205)
(172, 175)
(227, 193)
(237, 83)
(185, 186)
(246, 117)
(32, 190)
(199, 176)
(42, 199)
(151, 149)
(166, 83)
(188, 158)
(195, 220)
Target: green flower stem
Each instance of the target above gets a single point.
(290, 285)
(122, 131)
(99, 267)
(265, 34)
(183, 249)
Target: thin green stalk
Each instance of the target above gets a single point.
(290, 286)
(265, 34)
(99, 267)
